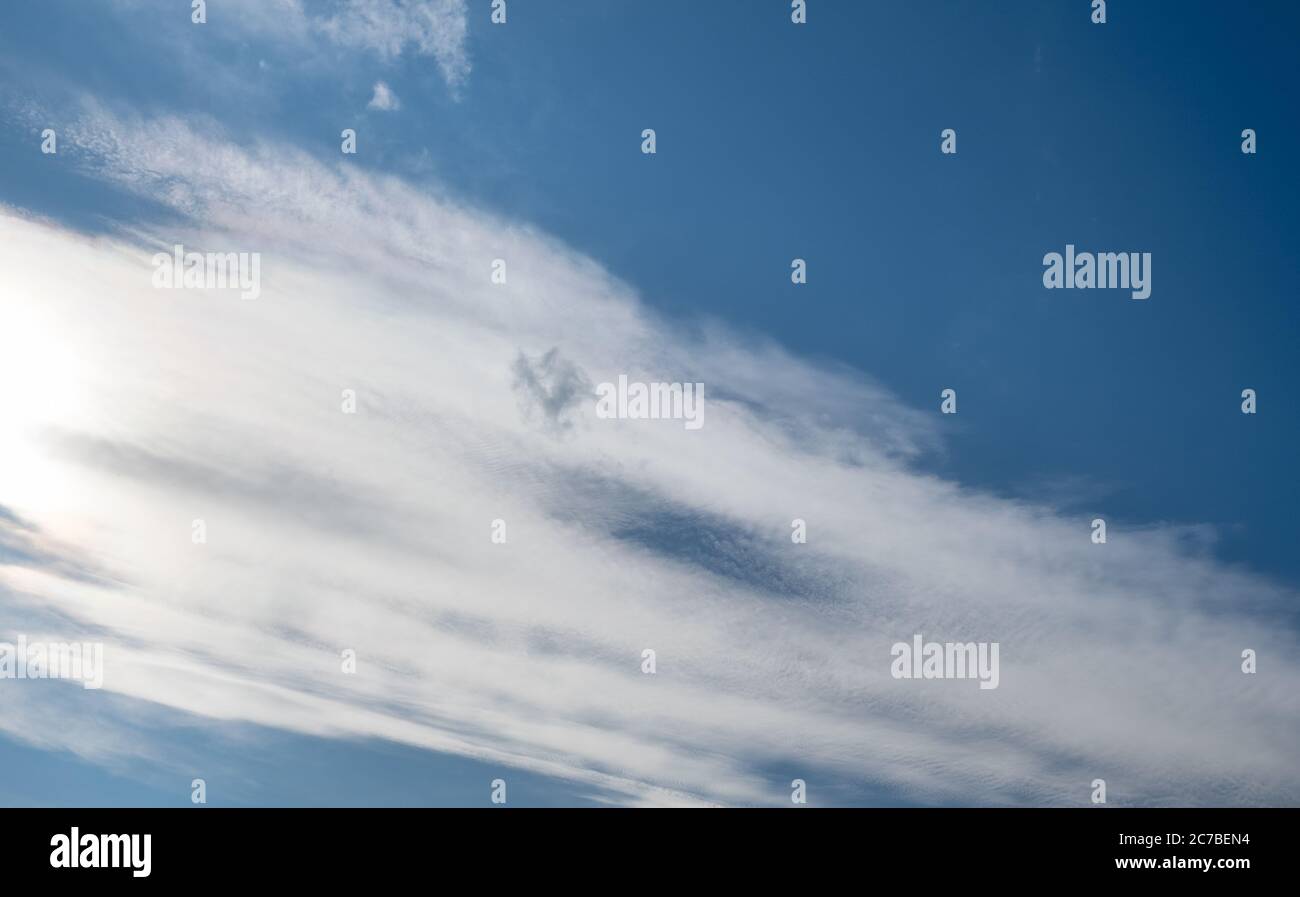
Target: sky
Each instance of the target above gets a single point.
(132, 411)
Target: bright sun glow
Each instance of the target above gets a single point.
(43, 388)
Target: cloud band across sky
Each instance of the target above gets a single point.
(138, 410)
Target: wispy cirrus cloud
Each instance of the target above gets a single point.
(434, 28)
(147, 409)
(389, 29)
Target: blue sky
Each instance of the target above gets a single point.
(775, 141)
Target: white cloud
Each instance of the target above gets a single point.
(384, 99)
(434, 28)
(144, 409)
(437, 29)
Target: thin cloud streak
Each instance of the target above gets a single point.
(386, 29)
